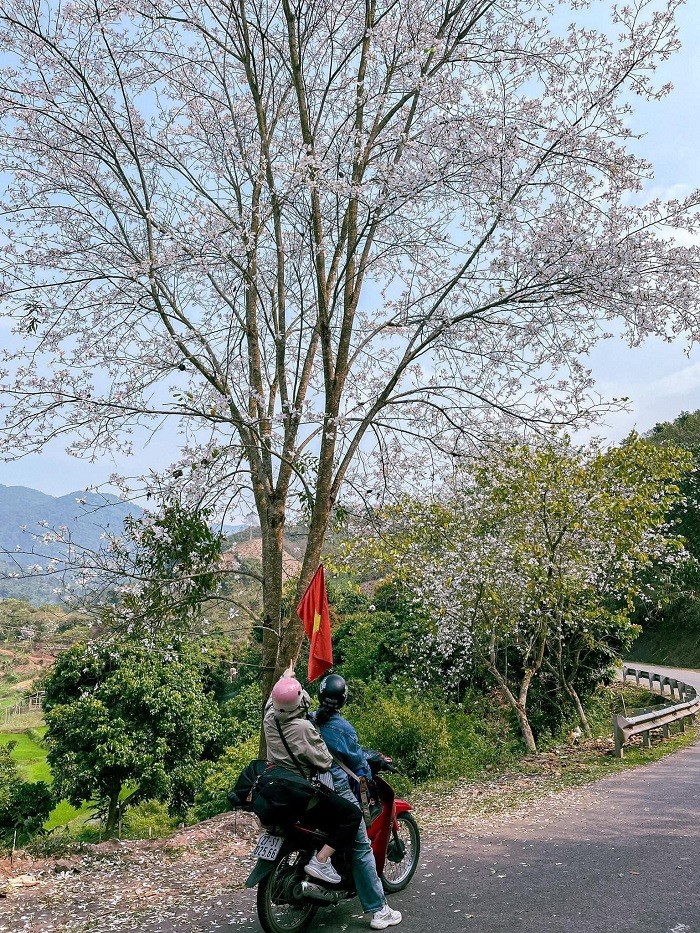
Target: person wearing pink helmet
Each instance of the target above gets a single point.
(294, 742)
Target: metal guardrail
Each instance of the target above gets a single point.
(688, 705)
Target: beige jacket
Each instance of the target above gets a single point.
(303, 738)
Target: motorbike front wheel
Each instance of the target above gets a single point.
(402, 854)
(280, 908)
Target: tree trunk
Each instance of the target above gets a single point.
(272, 528)
(525, 728)
(517, 704)
(519, 708)
(292, 631)
(580, 711)
(568, 687)
(112, 811)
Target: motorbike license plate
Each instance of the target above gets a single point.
(268, 847)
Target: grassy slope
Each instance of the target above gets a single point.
(668, 644)
(30, 756)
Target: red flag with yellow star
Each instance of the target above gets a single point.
(313, 612)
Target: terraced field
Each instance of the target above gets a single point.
(28, 729)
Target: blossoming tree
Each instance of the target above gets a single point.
(310, 232)
(533, 558)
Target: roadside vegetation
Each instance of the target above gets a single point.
(480, 636)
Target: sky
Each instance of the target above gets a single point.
(660, 379)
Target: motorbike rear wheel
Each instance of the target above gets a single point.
(402, 854)
(280, 909)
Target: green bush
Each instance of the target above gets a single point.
(223, 774)
(482, 738)
(407, 729)
(24, 806)
(370, 645)
(146, 819)
(242, 715)
(346, 597)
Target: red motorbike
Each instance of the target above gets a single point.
(287, 898)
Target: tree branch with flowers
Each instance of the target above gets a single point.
(379, 232)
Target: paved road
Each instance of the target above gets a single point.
(620, 855)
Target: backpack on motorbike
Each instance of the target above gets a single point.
(274, 793)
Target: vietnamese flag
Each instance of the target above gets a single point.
(313, 612)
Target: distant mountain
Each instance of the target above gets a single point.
(25, 513)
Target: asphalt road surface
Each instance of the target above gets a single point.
(619, 855)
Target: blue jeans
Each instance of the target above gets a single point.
(364, 870)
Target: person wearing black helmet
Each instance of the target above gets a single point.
(343, 743)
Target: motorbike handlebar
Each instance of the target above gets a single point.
(379, 762)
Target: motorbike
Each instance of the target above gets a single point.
(288, 899)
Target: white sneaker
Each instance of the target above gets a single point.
(324, 871)
(386, 917)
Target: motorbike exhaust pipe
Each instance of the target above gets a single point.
(317, 893)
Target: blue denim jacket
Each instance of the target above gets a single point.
(342, 741)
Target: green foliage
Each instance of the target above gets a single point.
(248, 660)
(345, 597)
(528, 566)
(683, 431)
(30, 754)
(216, 667)
(173, 558)
(393, 641)
(482, 737)
(147, 818)
(24, 807)
(23, 624)
(671, 632)
(9, 775)
(27, 811)
(672, 614)
(128, 711)
(404, 727)
(223, 774)
(242, 715)
(371, 645)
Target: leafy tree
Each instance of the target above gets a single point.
(128, 714)
(9, 775)
(684, 431)
(242, 714)
(160, 572)
(673, 614)
(308, 233)
(391, 642)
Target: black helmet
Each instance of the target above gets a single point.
(333, 691)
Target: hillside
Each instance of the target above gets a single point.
(669, 642)
(25, 517)
(25, 514)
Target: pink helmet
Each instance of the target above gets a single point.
(287, 695)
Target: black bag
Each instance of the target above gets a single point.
(273, 793)
(281, 795)
(241, 797)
